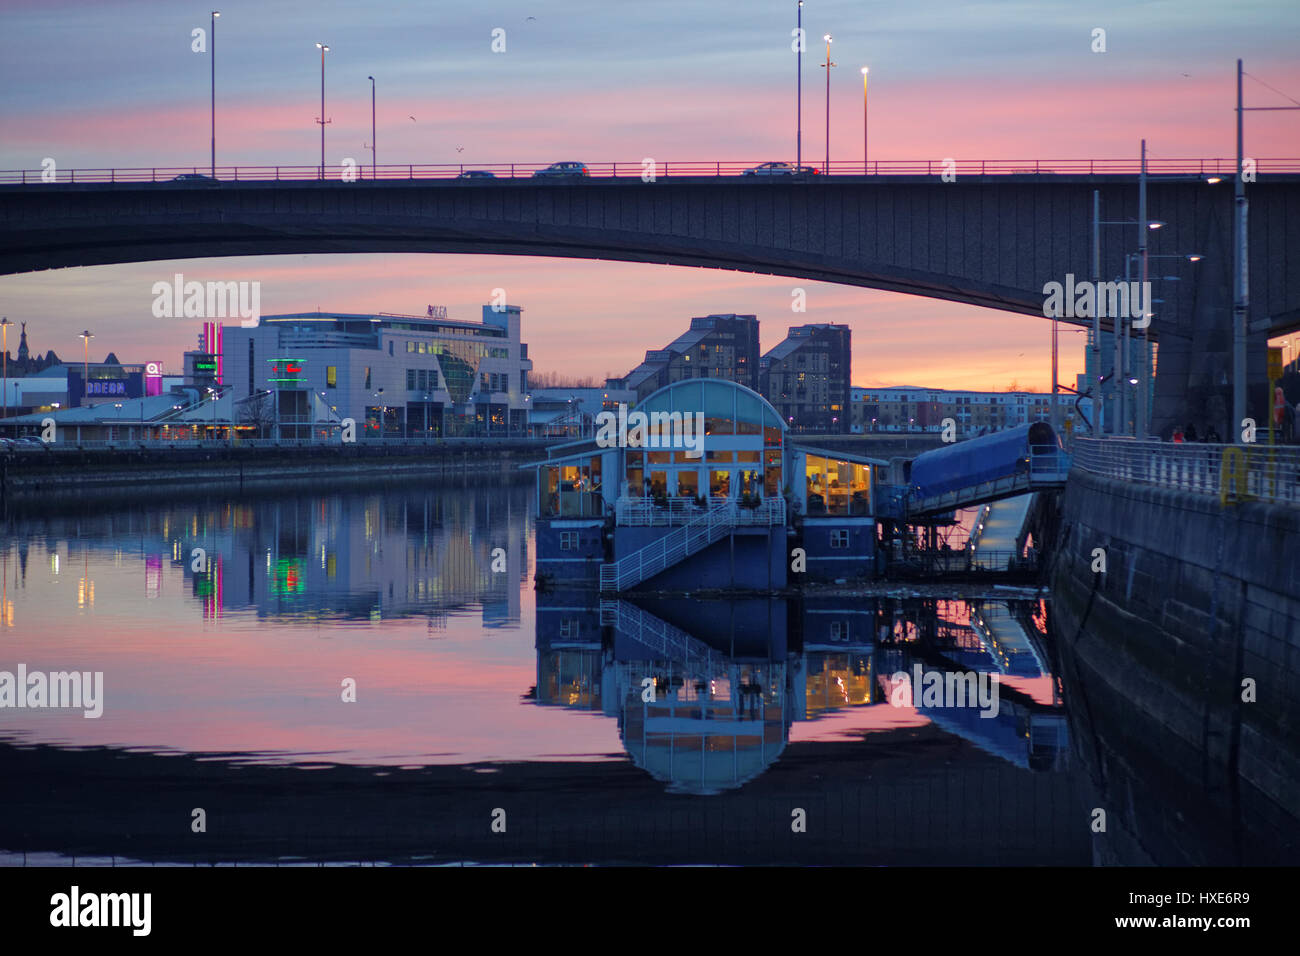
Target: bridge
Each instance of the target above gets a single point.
(992, 236)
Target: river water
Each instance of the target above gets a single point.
(370, 675)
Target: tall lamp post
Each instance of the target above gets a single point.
(798, 114)
(372, 126)
(4, 350)
(321, 119)
(828, 64)
(212, 62)
(86, 336)
(864, 121)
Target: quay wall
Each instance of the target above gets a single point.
(1197, 600)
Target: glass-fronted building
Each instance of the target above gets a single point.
(393, 375)
(699, 467)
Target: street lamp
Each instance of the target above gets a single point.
(798, 70)
(828, 64)
(86, 336)
(372, 126)
(321, 119)
(864, 120)
(4, 350)
(212, 61)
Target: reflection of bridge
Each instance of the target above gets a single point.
(988, 240)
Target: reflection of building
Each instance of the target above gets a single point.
(707, 452)
(705, 692)
(715, 346)
(371, 557)
(397, 374)
(806, 378)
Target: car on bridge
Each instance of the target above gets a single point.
(780, 169)
(563, 171)
(196, 179)
(477, 174)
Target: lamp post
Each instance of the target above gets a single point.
(321, 119)
(4, 350)
(86, 336)
(864, 121)
(798, 72)
(828, 64)
(212, 62)
(372, 126)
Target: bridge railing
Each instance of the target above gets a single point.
(639, 169)
(1233, 472)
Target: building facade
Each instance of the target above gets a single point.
(806, 378)
(393, 375)
(715, 346)
(905, 409)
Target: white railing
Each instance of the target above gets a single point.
(644, 513)
(669, 642)
(697, 534)
(1233, 472)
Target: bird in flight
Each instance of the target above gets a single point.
(412, 119)
(526, 19)
(460, 149)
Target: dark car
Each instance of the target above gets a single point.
(563, 171)
(477, 174)
(195, 179)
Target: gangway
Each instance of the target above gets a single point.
(998, 530)
(1004, 464)
(1005, 640)
(713, 524)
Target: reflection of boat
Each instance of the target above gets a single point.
(698, 719)
(702, 730)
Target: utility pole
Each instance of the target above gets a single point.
(1140, 406)
(1098, 406)
(798, 131)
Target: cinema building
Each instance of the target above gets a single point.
(398, 375)
(725, 507)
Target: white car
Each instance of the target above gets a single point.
(770, 169)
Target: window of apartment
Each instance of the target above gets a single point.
(390, 346)
(568, 541)
(410, 346)
(840, 539)
(332, 376)
(367, 376)
(839, 630)
(410, 379)
(570, 629)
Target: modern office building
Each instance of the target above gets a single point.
(806, 378)
(715, 346)
(393, 375)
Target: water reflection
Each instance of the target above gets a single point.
(705, 692)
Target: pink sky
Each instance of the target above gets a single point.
(982, 84)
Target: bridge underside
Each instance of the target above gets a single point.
(988, 241)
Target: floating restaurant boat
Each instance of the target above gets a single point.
(702, 486)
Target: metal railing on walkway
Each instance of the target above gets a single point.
(634, 169)
(646, 513)
(1233, 472)
(669, 642)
